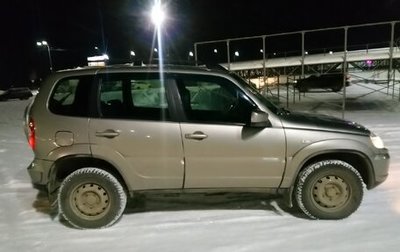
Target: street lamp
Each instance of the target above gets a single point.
(96, 50)
(236, 55)
(190, 55)
(44, 43)
(132, 54)
(157, 14)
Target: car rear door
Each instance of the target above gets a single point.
(135, 132)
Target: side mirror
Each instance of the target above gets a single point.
(259, 119)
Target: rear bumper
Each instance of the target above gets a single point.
(39, 171)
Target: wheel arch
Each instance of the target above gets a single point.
(67, 165)
(356, 159)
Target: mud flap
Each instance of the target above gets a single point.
(288, 197)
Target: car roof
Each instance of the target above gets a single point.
(130, 68)
(148, 68)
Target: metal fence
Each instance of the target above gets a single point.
(259, 55)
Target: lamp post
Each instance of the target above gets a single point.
(44, 43)
(158, 17)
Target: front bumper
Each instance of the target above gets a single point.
(380, 163)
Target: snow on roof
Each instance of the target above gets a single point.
(312, 59)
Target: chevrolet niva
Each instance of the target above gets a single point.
(101, 135)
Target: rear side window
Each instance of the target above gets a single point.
(70, 96)
(133, 96)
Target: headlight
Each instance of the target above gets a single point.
(377, 141)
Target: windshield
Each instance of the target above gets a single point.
(271, 106)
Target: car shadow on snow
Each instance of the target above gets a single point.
(159, 202)
(42, 203)
(209, 201)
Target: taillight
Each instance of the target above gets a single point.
(31, 134)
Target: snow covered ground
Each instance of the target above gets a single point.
(219, 222)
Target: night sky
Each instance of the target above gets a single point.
(73, 28)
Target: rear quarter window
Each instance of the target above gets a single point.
(70, 96)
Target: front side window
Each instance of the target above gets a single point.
(133, 96)
(214, 100)
(70, 96)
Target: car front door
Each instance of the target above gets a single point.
(221, 150)
(135, 133)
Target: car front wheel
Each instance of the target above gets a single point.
(91, 198)
(329, 189)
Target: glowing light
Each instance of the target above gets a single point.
(42, 43)
(191, 54)
(98, 58)
(237, 54)
(133, 53)
(157, 14)
(215, 51)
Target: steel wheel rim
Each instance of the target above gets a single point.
(89, 200)
(331, 192)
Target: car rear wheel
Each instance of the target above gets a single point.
(330, 189)
(91, 198)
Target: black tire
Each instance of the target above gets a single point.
(330, 189)
(91, 198)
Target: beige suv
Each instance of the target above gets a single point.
(100, 135)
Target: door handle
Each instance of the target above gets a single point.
(107, 133)
(198, 135)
